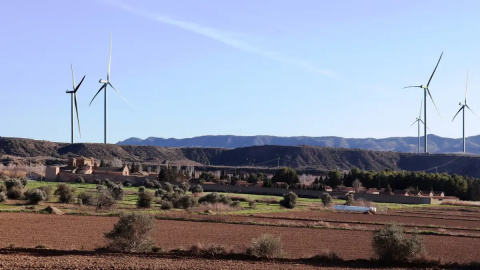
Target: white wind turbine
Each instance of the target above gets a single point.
(462, 108)
(73, 95)
(427, 91)
(419, 121)
(104, 87)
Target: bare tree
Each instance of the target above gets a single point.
(116, 162)
(357, 185)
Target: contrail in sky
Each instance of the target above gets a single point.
(226, 38)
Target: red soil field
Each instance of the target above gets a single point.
(86, 233)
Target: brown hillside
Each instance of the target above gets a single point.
(299, 157)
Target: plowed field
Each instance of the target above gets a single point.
(86, 233)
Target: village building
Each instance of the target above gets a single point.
(89, 169)
(401, 193)
(372, 191)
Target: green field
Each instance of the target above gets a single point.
(264, 203)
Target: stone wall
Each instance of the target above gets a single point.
(316, 194)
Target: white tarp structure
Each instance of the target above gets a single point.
(354, 208)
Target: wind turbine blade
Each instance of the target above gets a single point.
(466, 90)
(471, 110)
(421, 121)
(119, 94)
(428, 91)
(419, 86)
(76, 109)
(461, 108)
(435, 69)
(78, 86)
(103, 86)
(414, 123)
(73, 77)
(109, 58)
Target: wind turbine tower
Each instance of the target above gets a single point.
(427, 91)
(418, 121)
(462, 108)
(104, 87)
(73, 95)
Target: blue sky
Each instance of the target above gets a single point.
(272, 67)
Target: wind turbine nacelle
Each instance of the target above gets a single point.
(423, 86)
(102, 81)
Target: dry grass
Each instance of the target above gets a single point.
(267, 200)
(320, 224)
(289, 223)
(238, 198)
(364, 203)
(461, 203)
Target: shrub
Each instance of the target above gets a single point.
(105, 200)
(197, 189)
(13, 182)
(160, 192)
(210, 251)
(65, 193)
(27, 193)
(178, 190)
(37, 196)
(86, 198)
(131, 233)
(252, 204)
(14, 193)
(267, 246)
(168, 187)
(2, 187)
(141, 189)
(289, 200)
(148, 184)
(391, 245)
(145, 199)
(326, 199)
(235, 204)
(96, 181)
(350, 199)
(185, 186)
(185, 202)
(3, 197)
(171, 196)
(127, 183)
(80, 180)
(214, 197)
(24, 181)
(156, 184)
(116, 191)
(108, 183)
(166, 205)
(48, 191)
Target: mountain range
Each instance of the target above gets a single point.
(436, 144)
